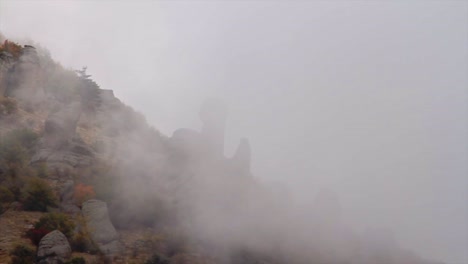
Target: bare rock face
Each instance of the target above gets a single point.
(60, 125)
(53, 248)
(6, 62)
(25, 77)
(60, 147)
(67, 204)
(101, 228)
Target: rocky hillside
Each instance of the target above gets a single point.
(84, 179)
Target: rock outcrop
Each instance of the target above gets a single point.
(60, 148)
(67, 204)
(60, 125)
(6, 62)
(101, 228)
(53, 248)
(25, 80)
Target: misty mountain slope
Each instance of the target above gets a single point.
(169, 199)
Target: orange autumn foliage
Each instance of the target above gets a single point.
(83, 193)
(12, 48)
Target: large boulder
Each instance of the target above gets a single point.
(101, 228)
(53, 248)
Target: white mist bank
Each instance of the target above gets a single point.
(366, 99)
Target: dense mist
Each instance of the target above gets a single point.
(330, 130)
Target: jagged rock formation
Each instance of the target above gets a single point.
(208, 145)
(102, 231)
(53, 248)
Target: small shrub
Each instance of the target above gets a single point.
(157, 259)
(26, 137)
(176, 243)
(22, 254)
(76, 260)
(82, 241)
(42, 171)
(38, 195)
(13, 155)
(49, 223)
(8, 106)
(36, 234)
(12, 48)
(6, 195)
(15, 148)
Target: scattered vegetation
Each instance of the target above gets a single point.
(102, 182)
(12, 48)
(89, 91)
(158, 259)
(83, 193)
(81, 241)
(6, 196)
(177, 243)
(76, 260)
(8, 106)
(41, 170)
(22, 254)
(38, 196)
(49, 223)
(15, 149)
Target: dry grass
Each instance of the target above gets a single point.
(13, 226)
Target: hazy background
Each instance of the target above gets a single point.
(368, 98)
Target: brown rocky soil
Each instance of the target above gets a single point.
(13, 226)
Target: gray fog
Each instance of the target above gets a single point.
(365, 98)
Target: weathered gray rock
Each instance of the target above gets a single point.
(6, 62)
(24, 77)
(64, 158)
(99, 225)
(66, 191)
(60, 147)
(66, 198)
(61, 125)
(53, 248)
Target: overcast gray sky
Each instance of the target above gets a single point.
(368, 98)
